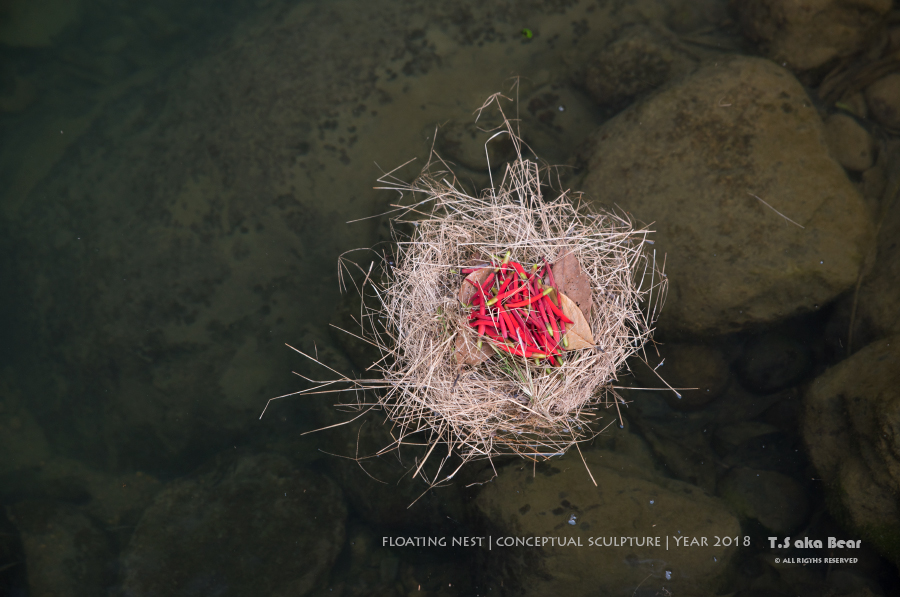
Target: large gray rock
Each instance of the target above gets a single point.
(852, 429)
(808, 33)
(256, 527)
(630, 500)
(699, 159)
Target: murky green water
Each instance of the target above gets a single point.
(177, 184)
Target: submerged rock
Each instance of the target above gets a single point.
(852, 429)
(65, 553)
(850, 144)
(777, 501)
(634, 64)
(883, 97)
(805, 34)
(878, 300)
(257, 527)
(685, 367)
(772, 362)
(630, 500)
(718, 163)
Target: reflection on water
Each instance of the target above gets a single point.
(176, 186)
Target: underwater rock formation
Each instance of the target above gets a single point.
(852, 429)
(729, 163)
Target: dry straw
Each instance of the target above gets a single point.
(505, 404)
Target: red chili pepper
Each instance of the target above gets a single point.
(542, 342)
(475, 322)
(500, 297)
(546, 319)
(511, 324)
(505, 284)
(516, 350)
(556, 310)
(524, 343)
(553, 344)
(550, 275)
(488, 281)
(527, 333)
(536, 297)
(518, 267)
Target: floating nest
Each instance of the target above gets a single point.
(434, 382)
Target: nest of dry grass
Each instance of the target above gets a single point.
(505, 404)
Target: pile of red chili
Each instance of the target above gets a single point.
(515, 309)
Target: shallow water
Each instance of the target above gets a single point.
(176, 190)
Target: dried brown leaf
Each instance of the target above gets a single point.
(467, 351)
(468, 289)
(572, 280)
(578, 333)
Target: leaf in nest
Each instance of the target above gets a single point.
(572, 280)
(578, 333)
(467, 352)
(467, 290)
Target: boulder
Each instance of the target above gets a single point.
(777, 501)
(255, 526)
(852, 430)
(730, 166)
(878, 300)
(851, 145)
(699, 373)
(772, 362)
(760, 446)
(66, 554)
(630, 500)
(634, 64)
(805, 34)
(883, 98)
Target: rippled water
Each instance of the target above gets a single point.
(177, 183)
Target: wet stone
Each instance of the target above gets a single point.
(777, 501)
(883, 97)
(850, 144)
(852, 430)
(467, 144)
(805, 34)
(65, 553)
(772, 362)
(759, 445)
(878, 310)
(257, 526)
(629, 500)
(686, 366)
(633, 65)
(699, 158)
(378, 489)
